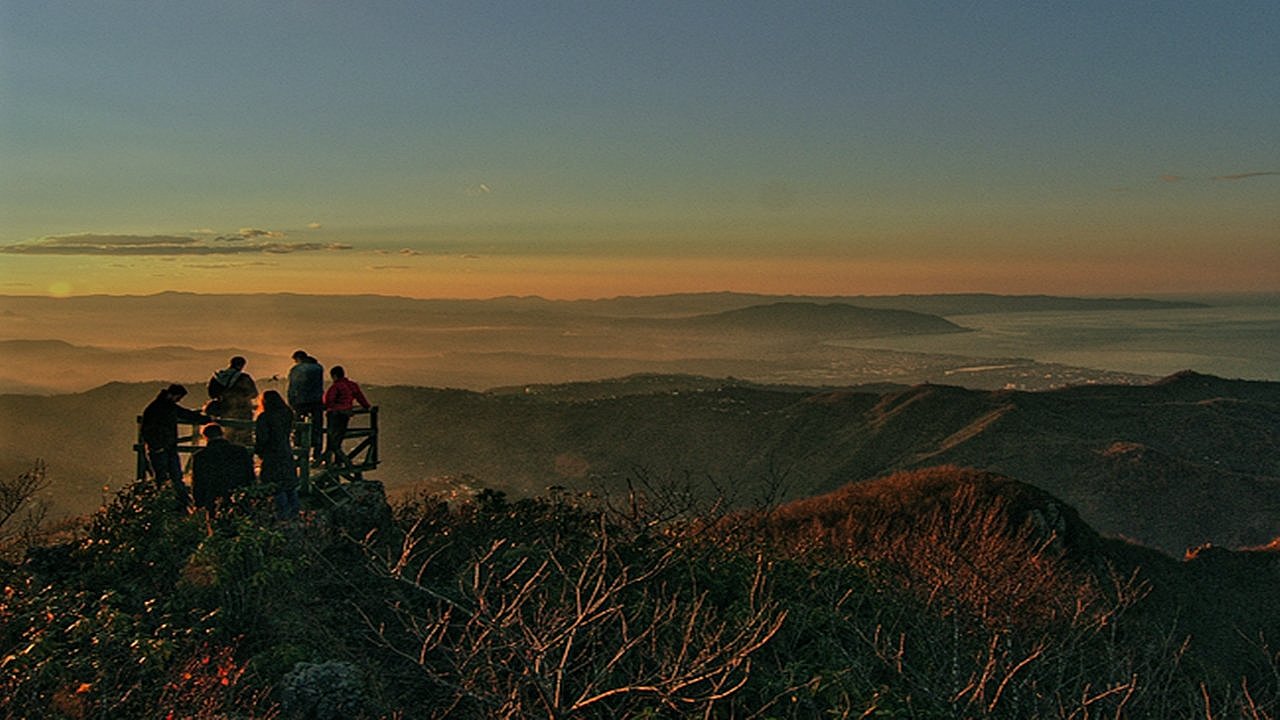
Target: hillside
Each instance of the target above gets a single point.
(938, 593)
(1218, 597)
(1172, 465)
(836, 319)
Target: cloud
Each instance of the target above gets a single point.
(247, 241)
(1243, 176)
(479, 189)
(408, 252)
(389, 267)
(223, 265)
(314, 226)
(251, 233)
(1171, 178)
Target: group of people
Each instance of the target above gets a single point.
(225, 463)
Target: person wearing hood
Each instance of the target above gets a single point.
(306, 396)
(233, 394)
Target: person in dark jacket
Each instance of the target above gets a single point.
(272, 430)
(217, 469)
(160, 437)
(306, 396)
(233, 394)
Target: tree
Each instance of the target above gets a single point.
(18, 494)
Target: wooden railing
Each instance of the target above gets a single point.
(361, 458)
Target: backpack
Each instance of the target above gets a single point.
(218, 386)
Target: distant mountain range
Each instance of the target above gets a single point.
(1185, 461)
(822, 318)
(182, 306)
(73, 344)
(936, 304)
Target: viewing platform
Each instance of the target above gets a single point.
(329, 480)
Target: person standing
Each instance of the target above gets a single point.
(272, 429)
(217, 469)
(339, 401)
(160, 438)
(233, 393)
(306, 396)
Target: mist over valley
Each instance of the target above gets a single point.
(981, 341)
(760, 394)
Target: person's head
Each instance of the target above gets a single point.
(271, 401)
(175, 392)
(337, 372)
(299, 356)
(238, 362)
(211, 431)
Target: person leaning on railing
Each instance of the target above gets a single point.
(160, 437)
(339, 402)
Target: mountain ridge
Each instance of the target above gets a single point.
(1174, 464)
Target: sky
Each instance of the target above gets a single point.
(594, 149)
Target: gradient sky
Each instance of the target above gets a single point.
(573, 149)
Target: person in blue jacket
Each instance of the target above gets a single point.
(306, 396)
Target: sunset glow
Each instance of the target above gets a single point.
(476, 150)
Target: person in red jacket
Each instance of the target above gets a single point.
(339, 401)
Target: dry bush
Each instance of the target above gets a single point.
(22, 513)
(984, 605)
(208, 686)
(573, 625)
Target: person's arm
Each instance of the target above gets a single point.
(330, 397)
(191, 416)
(293, 393)
(359, 396)
(261, 436)
(246, 472)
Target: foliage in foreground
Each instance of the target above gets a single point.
(553, 608)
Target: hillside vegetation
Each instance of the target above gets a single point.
(941, 593)
(1173, 465)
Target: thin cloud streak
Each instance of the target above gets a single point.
(1244, 176)
(169, 245)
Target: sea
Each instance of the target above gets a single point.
(1231, 338)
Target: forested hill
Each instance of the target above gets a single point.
(1185, 461)
(1189, 460)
